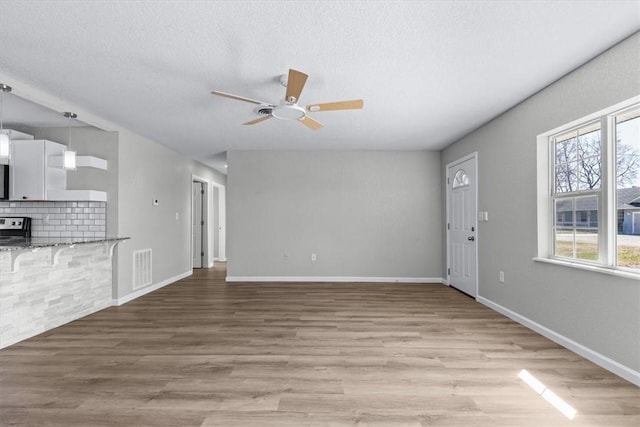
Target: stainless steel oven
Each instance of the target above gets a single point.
(14, 230)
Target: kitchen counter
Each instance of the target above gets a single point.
(47, 242)
(47, 282)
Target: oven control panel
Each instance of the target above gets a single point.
(14, 223)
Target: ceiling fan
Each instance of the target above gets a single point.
(288, 108)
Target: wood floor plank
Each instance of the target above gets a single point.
(202, 352)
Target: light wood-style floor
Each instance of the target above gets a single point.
(204, 353)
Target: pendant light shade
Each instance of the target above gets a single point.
(69, 162)
(4, 137)
(4, 146)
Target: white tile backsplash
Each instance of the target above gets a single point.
(61, 219)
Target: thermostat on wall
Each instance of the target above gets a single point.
(155, 202)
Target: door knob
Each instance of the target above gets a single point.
(471, 238)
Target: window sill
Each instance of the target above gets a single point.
(594, 268)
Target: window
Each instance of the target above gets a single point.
(589, 190)
(460, 179)
(627, 134)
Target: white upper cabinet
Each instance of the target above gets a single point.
(37, 172)
(32, 175)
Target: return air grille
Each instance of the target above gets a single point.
(141, 268)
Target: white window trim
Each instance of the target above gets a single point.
(545, 180)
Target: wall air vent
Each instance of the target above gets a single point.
(141, 268)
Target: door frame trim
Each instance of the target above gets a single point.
(473, 155)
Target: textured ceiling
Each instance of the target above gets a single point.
(429, 72)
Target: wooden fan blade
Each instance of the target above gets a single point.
(310, 123)
(239, 98)
(295, 84)
(342, 105)
(258, 120)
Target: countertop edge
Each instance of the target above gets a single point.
(56, 242)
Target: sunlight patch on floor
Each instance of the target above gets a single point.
(562, 406)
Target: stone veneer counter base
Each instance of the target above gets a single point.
(47, 286)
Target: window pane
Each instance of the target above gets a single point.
(566, 177)
(576, 228)
(566, 164)
(566, 150)
(460, 179)
(564, 235)
(587, 244)
(628, 190)
(589, 170)
(586, 228)
(563, 242)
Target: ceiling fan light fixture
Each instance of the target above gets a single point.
(286, 111)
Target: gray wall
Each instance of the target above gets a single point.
(599, 311)
(365, 214)
(148, 171)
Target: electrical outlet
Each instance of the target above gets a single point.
(502, 277)
(313, 257)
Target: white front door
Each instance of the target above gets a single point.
(196, 225)
(461, 225)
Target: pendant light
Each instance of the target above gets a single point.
(4, 137)
(69, 162)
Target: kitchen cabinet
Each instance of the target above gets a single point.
(37, 172)
(32, 174)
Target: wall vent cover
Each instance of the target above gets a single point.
(141, 268)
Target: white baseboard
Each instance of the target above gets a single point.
(143, 291)
(589, 354)
(334, 279)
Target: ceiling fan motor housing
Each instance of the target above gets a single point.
(288, 111)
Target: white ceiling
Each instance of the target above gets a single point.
(429, 72)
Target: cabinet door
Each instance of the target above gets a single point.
(27, 170)
(55, 177)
